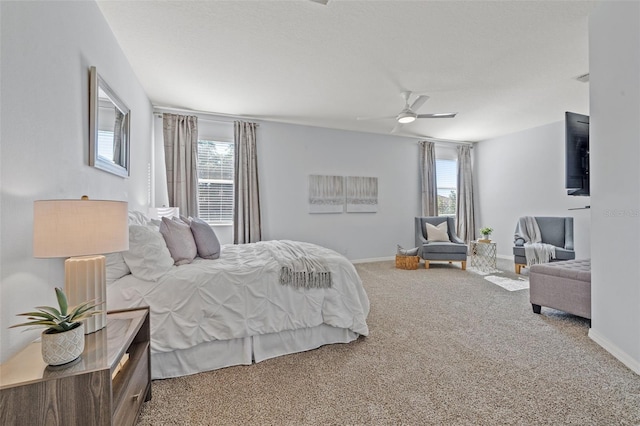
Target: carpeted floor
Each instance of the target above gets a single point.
(447, 347)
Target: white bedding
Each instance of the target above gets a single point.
(239, 295)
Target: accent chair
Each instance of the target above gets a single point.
(557, 231)
(454, 250)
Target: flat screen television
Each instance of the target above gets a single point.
(577, 153)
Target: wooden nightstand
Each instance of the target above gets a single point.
(85, 392)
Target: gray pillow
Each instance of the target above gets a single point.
(206, 239)
(179, 241)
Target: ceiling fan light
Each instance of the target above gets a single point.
(406, 117)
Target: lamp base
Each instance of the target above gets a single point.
(85, 280)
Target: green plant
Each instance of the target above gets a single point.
(59, 320)
(486, 230)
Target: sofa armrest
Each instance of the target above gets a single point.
(519, 242)
(568, 233)
(456, 239)
(419, 235)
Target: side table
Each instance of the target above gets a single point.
(90, 391)
(483, 255)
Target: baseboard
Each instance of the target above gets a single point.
(373, 259)
(505, 256)
(614, 350)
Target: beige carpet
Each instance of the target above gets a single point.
(447, 347)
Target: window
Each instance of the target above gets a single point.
(215, 181)
(447, 183)
(105, 144)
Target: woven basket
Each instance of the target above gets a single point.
(407, 262)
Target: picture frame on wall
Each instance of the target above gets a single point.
(362, 194)
(326, 194)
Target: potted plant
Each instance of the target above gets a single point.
(63, 339)
(486, 233)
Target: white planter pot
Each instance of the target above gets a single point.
(61, 348)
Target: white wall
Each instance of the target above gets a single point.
(288, 154)
(47, 49)
(523, 174)
(614, 50)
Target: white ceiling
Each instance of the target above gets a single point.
(504, 66)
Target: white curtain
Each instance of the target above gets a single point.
(428, 183)
(181, 159)
(465, 217)
(246, 200)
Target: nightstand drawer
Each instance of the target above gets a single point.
(136, 389)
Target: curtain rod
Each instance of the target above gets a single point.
(446, 142)
(158, 109)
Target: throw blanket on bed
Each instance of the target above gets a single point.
(300, 268)
(535, 250)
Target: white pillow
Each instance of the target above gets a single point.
(116, 267)
(179, 239)
(148, 257)
(437, 233)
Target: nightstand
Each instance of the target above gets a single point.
(105, 386)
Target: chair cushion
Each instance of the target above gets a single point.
(443, 247)
(561, 254)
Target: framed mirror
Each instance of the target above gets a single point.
(109, 121)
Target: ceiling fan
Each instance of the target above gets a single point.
(408, 113)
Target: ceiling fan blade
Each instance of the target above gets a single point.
(396, 128)
(420, 100)
(375, 118)
(438, 115)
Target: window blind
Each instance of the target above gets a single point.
(447, 183)
(215, 181)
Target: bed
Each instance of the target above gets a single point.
(234, 310)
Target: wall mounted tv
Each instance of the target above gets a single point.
(577, 153)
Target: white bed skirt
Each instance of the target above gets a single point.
(225, 353)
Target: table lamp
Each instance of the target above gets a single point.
(82, 230)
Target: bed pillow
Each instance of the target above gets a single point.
(148, 257)
(179, 239)
(206, 239)
(138, 218)
(116, 267)
(437, 233)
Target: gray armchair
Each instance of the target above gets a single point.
(454, 250)
(557, 231)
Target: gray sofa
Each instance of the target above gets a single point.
(565, 286)
(557, 231)
(454, 250)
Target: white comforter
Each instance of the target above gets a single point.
(239, 295)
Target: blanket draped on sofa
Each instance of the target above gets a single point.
(534, 249)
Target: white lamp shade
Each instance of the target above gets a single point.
(65, 228)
